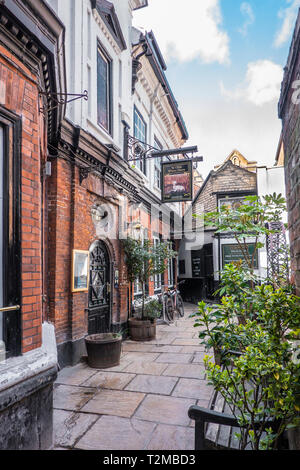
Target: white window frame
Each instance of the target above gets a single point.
(109, 112)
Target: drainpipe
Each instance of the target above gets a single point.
(136, 64)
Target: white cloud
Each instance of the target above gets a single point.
(187, 30)
(261, 85)
(247, 12)
(288, 16)
(223, 126)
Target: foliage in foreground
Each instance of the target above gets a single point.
(252, 332)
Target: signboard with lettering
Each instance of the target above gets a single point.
(177, 181)
(233, 253)
(196, 264)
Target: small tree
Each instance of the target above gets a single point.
(248, 220)
(144, 259)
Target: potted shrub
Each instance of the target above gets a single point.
(143, 260)
(103, 350)
(145, 330)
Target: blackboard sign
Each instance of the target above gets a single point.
(233, 253)
(196, 264)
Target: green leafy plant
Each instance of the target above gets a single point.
(145, 259)
(248, 220)
(153, 309)
(253, 328)
(261, 388)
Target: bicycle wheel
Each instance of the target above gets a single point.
(180, 306)
(169, 309)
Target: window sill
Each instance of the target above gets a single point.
(101, 131)
(22, 368)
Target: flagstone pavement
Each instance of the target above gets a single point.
(142, 403)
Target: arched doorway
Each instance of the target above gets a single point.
(99, 308)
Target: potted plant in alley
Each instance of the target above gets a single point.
(143, 260)
(103, 350)
(254, 329)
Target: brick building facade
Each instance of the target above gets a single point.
(290, 115)
(30, 65)
(96, 194)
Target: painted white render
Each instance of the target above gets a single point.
(85, 28)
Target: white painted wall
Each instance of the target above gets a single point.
(83, 28)
(271, 180)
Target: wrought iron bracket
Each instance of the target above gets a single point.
(84, 172)
(58, 99)
(138, 150)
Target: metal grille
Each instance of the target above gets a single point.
(277, 253)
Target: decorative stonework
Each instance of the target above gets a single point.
(106, 32)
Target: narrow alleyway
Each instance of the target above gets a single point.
(141, 404)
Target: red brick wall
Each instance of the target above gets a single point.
(19, 93)
(71, 227)
(291, 142)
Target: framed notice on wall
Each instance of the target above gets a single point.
(233, 253)
(177, 181)
(80, 271)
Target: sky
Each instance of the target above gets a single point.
(225, 63)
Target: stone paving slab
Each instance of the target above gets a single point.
(148, 368)
(73, 398)
(114, 402)
(192, 371)
(69, 427)
(192, 388)
(142, 403)
(140, 356)
(115, 433)
(132, 347)
(186, 341)
(152, 384)
(198, 357)
(165, 410)
(171, 358)
(109, 380)
(123, 364)
(75, 375)
(192, 349)
(166, 349)
(168, 437)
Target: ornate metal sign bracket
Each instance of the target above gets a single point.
(138, 150)
(58, 99)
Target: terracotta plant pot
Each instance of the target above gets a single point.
(142, 330)
(103, 350)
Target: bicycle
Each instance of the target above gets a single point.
(172, 304)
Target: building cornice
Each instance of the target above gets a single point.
(112, 41)
(32, 32)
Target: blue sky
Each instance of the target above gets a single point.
(225, 61)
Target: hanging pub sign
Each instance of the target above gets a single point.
(177, 181)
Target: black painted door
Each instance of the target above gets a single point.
(99, 310)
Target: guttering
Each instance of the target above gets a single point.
(159, 66)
